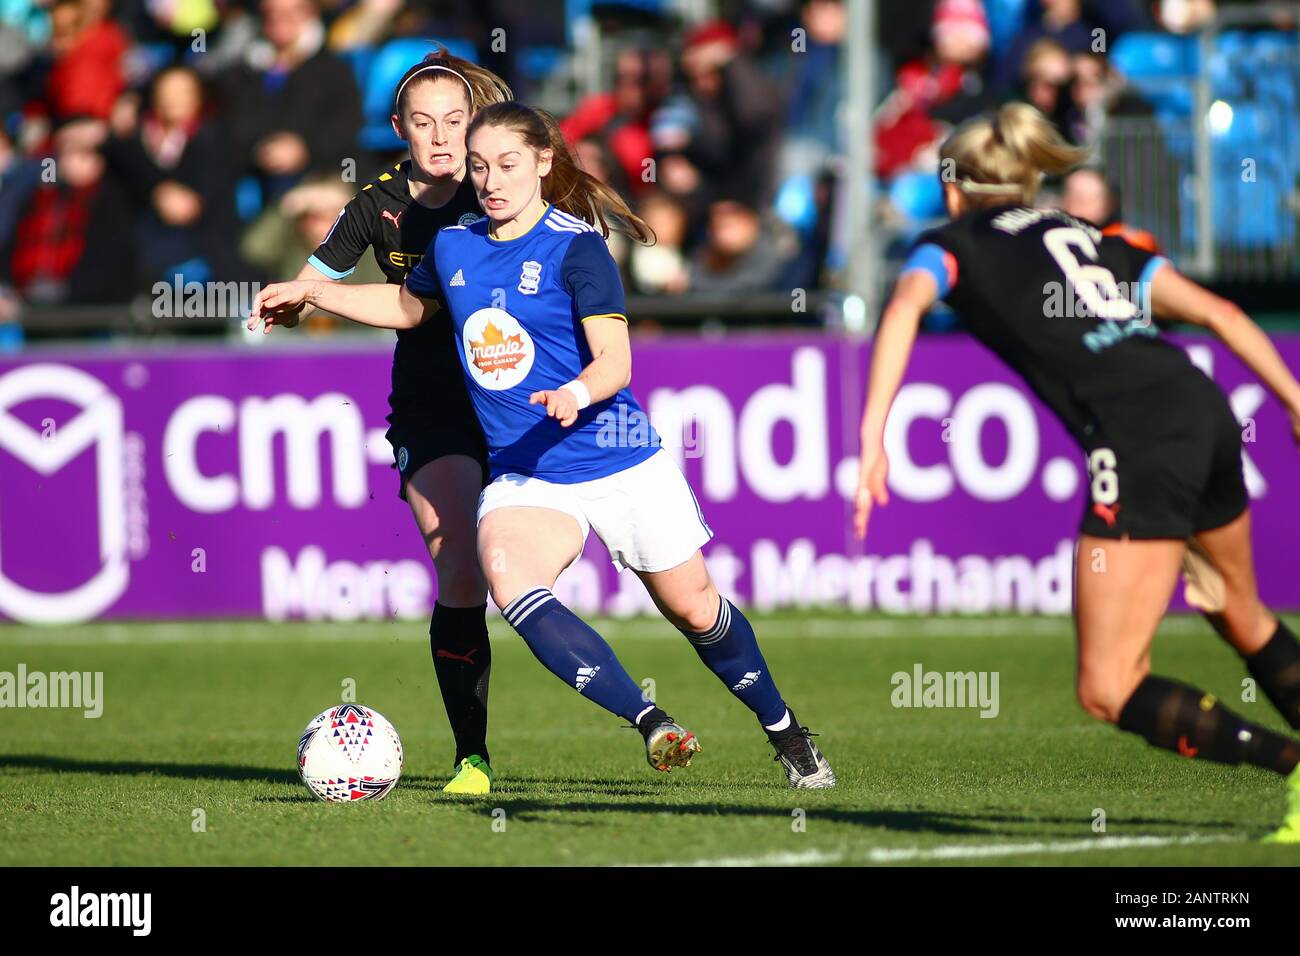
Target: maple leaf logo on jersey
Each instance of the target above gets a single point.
(396, 218)
(494, 353)
(497, 350)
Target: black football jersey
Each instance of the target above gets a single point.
(384, 218)
(1063, 305)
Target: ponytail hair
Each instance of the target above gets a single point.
(482, 87)
(1002, 157)
(567, 186)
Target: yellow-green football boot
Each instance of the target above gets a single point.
(1289, 831)
(473, 776)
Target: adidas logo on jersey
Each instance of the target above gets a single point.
(458, 278)
(585, 674)
(748, 680)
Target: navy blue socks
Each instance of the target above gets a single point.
(573, 652)
(730, 650)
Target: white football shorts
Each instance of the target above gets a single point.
(646, 515)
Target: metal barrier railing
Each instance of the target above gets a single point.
(1150, 163)
(136, 320)
(1246, 135)
(1215, 176)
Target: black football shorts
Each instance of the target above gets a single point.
(1163, 462)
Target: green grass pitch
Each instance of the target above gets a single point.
(206, 716)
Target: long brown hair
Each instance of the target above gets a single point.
(567, 186)
(483, 86)
(1001, 157)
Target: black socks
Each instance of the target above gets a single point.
(462, 659)
(1276, 668)
(1188, 721)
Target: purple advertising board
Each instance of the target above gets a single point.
(256, 482)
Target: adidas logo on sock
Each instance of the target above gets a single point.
(748, 680)
(458, 278)
(585, 674)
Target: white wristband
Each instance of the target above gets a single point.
(579, 392)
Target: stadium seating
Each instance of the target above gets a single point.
(1255, 75)
(796, 203)
(917, 195)
(575, 10)
(537, 63)
(382, 73)
(248, 198)
(359, 59)
(1147, 56)
(1006, 19)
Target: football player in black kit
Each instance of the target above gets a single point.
(1162, 446)
(441, 456)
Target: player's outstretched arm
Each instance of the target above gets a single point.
(1177, 297)
(308, 272)
(381, 305)
(609, 371)
(913, 296)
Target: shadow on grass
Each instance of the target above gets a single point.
(126, 768)
(937, 822)
(535, 797)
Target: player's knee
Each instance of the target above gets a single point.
(503, 592)
(695, 610)
(699, 616)
(460, 579)
(462, 587)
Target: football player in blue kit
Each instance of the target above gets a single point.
(537, 310)
(438, 447)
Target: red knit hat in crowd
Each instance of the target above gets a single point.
(965, 15)
(712, 31)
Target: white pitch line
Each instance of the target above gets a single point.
(954, 851)
(960, 852)
(803, 858)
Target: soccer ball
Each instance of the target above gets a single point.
(348, 753)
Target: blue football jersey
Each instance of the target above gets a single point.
(517, 308)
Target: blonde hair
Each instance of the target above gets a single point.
(567, 186)
(1002, 157)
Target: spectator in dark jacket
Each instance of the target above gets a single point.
(741, 253)
(730, 114)
(1098, 93)
(1062, 21)
(1046, 76)
(173, 166)
(810, 72)
(19, 176)
(290, 107)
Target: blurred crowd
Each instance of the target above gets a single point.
(144, 139)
